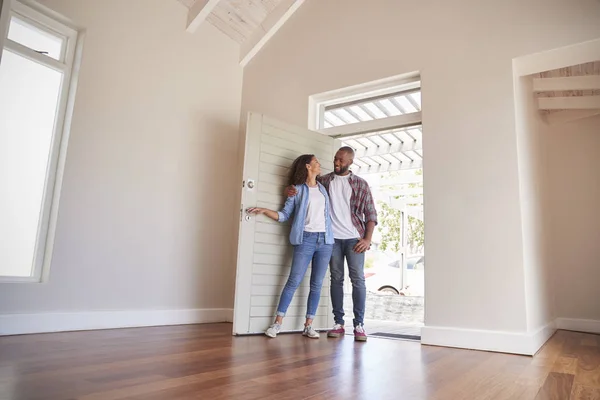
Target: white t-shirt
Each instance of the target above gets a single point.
(340, 193)
(315, 213)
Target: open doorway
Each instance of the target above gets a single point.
(383, 126)
(394, 267)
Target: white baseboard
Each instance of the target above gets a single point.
(538, 338)
(579, 325)
(503, 342)
(17, 324)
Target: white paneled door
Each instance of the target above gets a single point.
(264, 250)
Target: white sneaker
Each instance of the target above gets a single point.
(310, 332)
(273, 330)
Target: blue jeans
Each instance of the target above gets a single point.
(313, 248)
(356, 268)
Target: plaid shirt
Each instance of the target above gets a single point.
(362, 206)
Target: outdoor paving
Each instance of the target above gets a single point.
(392, 314)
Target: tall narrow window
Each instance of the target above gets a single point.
(35, 75)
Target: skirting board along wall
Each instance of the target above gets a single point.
(578, 325)
(502, 342)
(505, 342)
(17, 324)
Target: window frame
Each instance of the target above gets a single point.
(4, 22)
(318, 103)
(68, 65)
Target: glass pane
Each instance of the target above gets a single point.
(417, 98)
(390, 107)
(346, 116)
(376, 107)
(29, 95)
(374, 110)
(361, 114)
(35, 38)
(333, 119)
(406, 105)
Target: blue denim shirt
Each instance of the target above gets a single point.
(298, 205)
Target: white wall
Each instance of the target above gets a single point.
(146, 213)
(463, 49)
(574, 181)
(535, 195)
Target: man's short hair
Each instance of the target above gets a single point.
(348, 150)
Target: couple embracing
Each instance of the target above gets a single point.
(333, 220)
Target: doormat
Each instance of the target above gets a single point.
(395, 336)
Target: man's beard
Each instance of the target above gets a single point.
(342, 171)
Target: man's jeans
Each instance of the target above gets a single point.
(313, 248)
(343, 249)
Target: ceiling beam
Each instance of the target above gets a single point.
(562, 117)
(569, 103)
(199, 12)
(265, 31)
(588, 82)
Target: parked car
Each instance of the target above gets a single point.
(388, 278)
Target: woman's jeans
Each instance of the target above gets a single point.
(313, 248)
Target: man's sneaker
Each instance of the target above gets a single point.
(337, 331)
(359, 334)
(310, 332)
(273, 330)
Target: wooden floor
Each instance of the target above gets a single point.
(205, 362)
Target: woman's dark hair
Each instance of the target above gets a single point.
(298, 171)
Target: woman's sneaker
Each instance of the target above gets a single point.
(273, 330)
(359, 334)
(337, 331)
(310, 332)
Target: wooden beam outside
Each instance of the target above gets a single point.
(272, 23)
(368, 151)
(199, 12)
(375, 125)
(389, 167)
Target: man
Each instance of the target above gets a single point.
(353, 218)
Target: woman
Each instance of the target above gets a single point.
(311, 236)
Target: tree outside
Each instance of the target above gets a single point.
(390, 218)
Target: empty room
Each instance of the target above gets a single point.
(233, 199)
